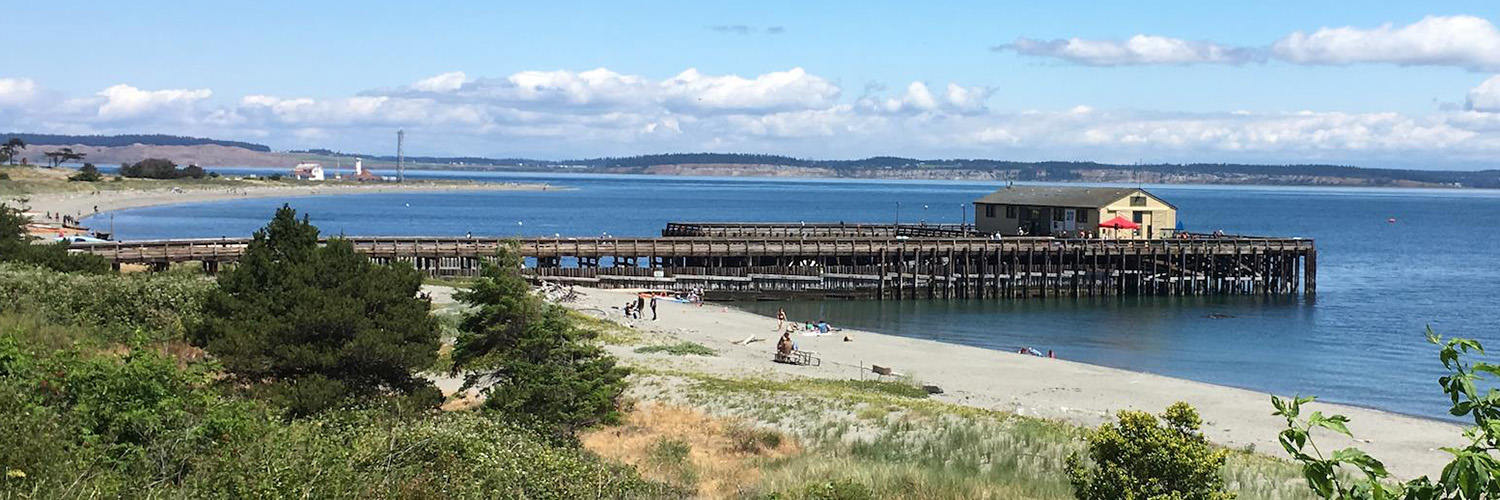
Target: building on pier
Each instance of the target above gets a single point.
(1073, 211)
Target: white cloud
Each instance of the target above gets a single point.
(17, 91)
(594, 87)
(446, 82)
(124, 101)
(771, 92)
(1459, 41)
(1486, 97)
(1462, 41)
(1136, 50)
(564, 114)
(918, 98)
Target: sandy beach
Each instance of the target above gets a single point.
(83, 204)
(1074, 392)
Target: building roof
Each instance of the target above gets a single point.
(1061, 196)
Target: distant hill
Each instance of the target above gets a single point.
(890, 167)
(110, 141)
(203, 151)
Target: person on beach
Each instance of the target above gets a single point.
(640, 306)
(780, 319)
(784, 346)
(653, 308)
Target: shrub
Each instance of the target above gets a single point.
(88, 173)
(838, 490)
(369, 454)
(116, 304)
(310, 326)
(673, 457)
(1139, 458)
(85, 425)
(138, 415)
(158, 168)
(543, 368)
(752, 440)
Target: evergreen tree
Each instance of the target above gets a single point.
(542, 368)
(311, 327)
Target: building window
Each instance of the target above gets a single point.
(989, 210)
(1010, 211)
(1083, 216)
(1137, 201)
(1139, 217)
(1057, 214)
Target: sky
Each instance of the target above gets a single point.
(1381, 84)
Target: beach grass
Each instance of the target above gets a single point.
(609, 332)
(889, 439)
(684, 348)
(25, 180)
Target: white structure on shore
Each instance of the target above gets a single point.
(308, 171)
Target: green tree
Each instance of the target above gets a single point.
(88, 173)
(541, 367)
(311, 326)
(1140, 458)
(11, 148)
(61, 156)
(1474, 472)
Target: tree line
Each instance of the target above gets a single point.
(105, 141)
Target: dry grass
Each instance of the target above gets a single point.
(719, 458)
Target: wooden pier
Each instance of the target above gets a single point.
(818, 230)
(780, 262)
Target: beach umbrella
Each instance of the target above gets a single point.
(1119, 223)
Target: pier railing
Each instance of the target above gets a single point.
(816, 230)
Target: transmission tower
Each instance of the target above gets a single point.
(400, 155)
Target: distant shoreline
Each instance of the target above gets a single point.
(1093, 177)
(85, 204)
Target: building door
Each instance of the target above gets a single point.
(1142, 217)
(1070, 220)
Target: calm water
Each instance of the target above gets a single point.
(1360, 341)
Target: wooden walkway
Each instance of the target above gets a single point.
(898, 267)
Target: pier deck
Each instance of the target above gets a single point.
(892, 267)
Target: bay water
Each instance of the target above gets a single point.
(1391, 263)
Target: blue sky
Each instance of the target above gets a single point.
(1379, 84)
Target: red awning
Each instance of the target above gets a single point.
(1119, 223)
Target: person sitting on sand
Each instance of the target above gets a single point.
(823, 326)
(784, 346)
